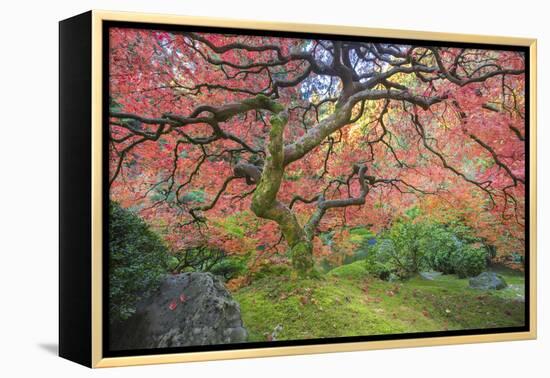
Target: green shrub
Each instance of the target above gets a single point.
(439, 247)
(380, 270)
(137, 261)
(398, 250)
(271, 270)
(469, 261)
(229, 268)
(379, 260)
(199, 259)
(172, 263)
(449, 249)
(407, 237)
(208, 259)
(411, 245)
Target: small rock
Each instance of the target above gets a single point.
(393, 277)
(430, 275)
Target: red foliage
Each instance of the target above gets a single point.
(462, 157)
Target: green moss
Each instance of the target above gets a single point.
(356, 270)
(302, 258)
(279, 120)
(264, 102)
(276, 107)
(346, 302)
(308, 308)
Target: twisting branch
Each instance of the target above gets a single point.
(195, 210)
(297, 198)
(323, 205)
(177, 122)
(472, 77)
(497, 160)
(422, 133)
(341, 117)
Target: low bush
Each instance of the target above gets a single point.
(137, 261)
(200, 259)
(469, 261)
(229, 268)
(411, 245)
(398, 250)
(267, 269)
(378, 262)
(439, 248)
(445, 252)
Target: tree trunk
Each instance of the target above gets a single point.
(265, 204)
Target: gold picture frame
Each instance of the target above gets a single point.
(93, 264)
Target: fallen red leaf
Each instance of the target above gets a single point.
(172, 306)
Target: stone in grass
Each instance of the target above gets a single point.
(393, 277)
(430, 275)
(188, 309)
(488, 281)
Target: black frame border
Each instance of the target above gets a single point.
(75, 181)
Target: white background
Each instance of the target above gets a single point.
(29, 188)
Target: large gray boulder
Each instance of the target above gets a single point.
(188, 309)
(488, 281)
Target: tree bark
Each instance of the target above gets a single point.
(265, 204)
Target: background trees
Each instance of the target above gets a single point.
(313, 136)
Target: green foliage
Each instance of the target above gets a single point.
(440, 247)
(172, 263)
(207, 259)
(452, 249)
(399, 250)
(137, 261)
(359, 236)
(377, 262)
(469, 261)
(407, 238)
(193, 196)
(411, 245)
(271, 270)
(229, 268)
(200, 259)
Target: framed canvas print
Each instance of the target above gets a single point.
(234, 189)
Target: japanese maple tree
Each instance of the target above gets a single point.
(312, 135)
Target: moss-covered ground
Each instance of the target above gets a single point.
(348, 302)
